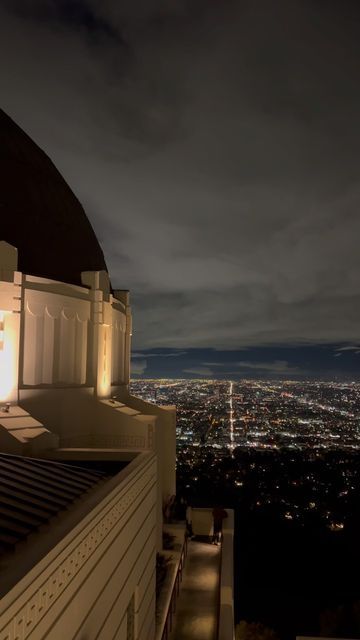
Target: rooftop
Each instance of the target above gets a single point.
(32, 491)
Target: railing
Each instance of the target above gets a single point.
(202, 520)
(174, 593)
(226, 598)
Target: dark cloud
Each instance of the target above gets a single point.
(349, 347)
(215, 147)
(248, 369)
(158, 354)
(138, 367)
(272, 362)
(58, 14)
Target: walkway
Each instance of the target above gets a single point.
(196, 615)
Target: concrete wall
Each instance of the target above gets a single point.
(226, 611)
(65, 411)
(55, 338)
(72, 335)
(10, 315)
(70, 349)
(84, 588)
(165, 439)
(58, 335)
(64, 349)
(164, 443)
(202, 521)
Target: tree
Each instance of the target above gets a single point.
(254, 631)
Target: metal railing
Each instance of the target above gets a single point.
(174, 593)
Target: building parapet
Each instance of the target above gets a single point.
(226, 605)
(170, 591)
(109, 527)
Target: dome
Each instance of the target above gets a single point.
(39, 213)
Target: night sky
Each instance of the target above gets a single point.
(215, 148)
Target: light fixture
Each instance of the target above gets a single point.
(2, 323)
(8, 358)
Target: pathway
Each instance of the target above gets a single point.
(196, 615)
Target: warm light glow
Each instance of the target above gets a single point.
(2, 317)
(104, 362)
(8, 355)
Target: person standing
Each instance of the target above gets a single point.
(189, 528)
(219, 514)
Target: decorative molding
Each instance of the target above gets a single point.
(118, 346)
(42, 598)
(104, 441)
(55, 339)
(151, 442)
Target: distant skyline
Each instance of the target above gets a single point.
(215, 148)
(327, 362)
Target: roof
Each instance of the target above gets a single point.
(39, 213)
(32, 491)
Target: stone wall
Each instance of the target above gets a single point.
(100, 577)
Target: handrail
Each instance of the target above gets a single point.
(175, 592)
(226, 578)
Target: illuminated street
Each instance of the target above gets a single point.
(231, 416)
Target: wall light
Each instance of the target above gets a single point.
(2, 323)
(8, 356)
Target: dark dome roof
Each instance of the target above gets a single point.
(39, 213)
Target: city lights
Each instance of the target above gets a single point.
(262, 415)
(282, 438)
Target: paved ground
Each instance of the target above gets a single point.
(197, 605)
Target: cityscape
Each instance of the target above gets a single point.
(285, 456)
(179, 320)
(260, 415)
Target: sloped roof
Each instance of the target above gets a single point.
(32, 491)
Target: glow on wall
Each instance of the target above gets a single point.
(104, 362)
(8, 357)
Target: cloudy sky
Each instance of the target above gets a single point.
(215, 147)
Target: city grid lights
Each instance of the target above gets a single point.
(275, 415)
(293, 444)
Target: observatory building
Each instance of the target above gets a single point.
(84, 466)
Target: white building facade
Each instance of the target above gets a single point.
(89, 571)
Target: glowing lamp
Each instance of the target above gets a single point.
(2, 330)
(8, 356)
(104, 362)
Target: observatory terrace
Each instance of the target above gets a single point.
(86, 467)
